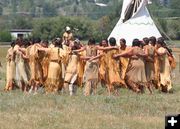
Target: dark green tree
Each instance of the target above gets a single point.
(175, 4)
(5, 36)
(49, 10)
(21, 22)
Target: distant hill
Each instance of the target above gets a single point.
(51, 8)
(41, 8)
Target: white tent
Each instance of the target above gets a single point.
(135, 22)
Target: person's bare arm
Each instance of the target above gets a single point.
(85, 58)
(96, 57)
(25, 57)
(79, 50)
(42, 49)
(22, 50)
(128, 53)
(160, 53)
(142, 54)
(107, 48)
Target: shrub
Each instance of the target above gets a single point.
(173, 29)
(5, 36)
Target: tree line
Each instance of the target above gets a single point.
(48, 18)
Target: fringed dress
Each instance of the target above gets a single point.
(113, 70)
(156, 71)
(149, 63)
(123, 64)
(65, 60)
(81, 66)
(90, 77)
(135, 73)
(35, 66)
(21, 76)
(71, 73)
(54, 80)
(10, 70)
(102, 67)
(165, 70)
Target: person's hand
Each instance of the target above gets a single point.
(85, 58)
(91, 59)
(74, 51)
(115, 56)
(70, 52)
(115, 47)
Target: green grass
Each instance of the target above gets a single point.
(127, 111)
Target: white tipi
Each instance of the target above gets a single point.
(135, 22)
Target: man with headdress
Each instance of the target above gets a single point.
(67, 36)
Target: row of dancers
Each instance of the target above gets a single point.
(65, 65)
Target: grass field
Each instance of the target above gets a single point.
(127, 111)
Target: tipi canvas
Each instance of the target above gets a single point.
(135, 22)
